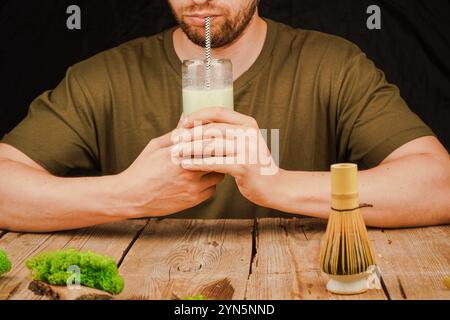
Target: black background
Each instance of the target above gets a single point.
(412, 48)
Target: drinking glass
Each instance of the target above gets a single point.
(203, 89)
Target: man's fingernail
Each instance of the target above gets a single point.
(176, 149)
(186, 136)
(185, 121)
(186, 162)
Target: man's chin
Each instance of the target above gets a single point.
(197, 36)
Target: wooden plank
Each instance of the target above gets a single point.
(18, 247)
(175, 258)
(286, 265)
(414, 262)
(110, 239)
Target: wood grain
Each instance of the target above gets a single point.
(414, 262)
(110, 239)
(164, 259)
(176, 258)
(19, 247)
(286, 265)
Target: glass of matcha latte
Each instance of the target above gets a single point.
(206, 86)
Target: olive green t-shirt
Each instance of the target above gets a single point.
(328, 99)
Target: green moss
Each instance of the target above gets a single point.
(96, 271)
(196, 297)
(5, 264)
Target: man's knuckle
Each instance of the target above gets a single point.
(154, 143)
(192, 189)
(252, 122)
(196, 198)
(219, 110)
(211, 191)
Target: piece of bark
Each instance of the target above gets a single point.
(63, 293)
(219, 290)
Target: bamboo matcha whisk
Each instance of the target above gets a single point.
(346, 253)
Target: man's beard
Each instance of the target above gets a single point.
(223, 34)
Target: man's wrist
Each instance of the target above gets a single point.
(278, 193)
(115, 199)
(302, 193)
(286, 192)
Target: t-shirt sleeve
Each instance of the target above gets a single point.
(373, 119)
(59, 130)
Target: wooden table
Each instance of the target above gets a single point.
(237, 259)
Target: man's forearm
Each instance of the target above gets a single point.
(402, 194)
(35, 201)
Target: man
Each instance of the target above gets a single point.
(117, 113)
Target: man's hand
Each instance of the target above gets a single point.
(225, 141)
(155, 185)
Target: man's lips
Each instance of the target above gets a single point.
(198, 20)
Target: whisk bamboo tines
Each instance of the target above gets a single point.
(346, 250)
